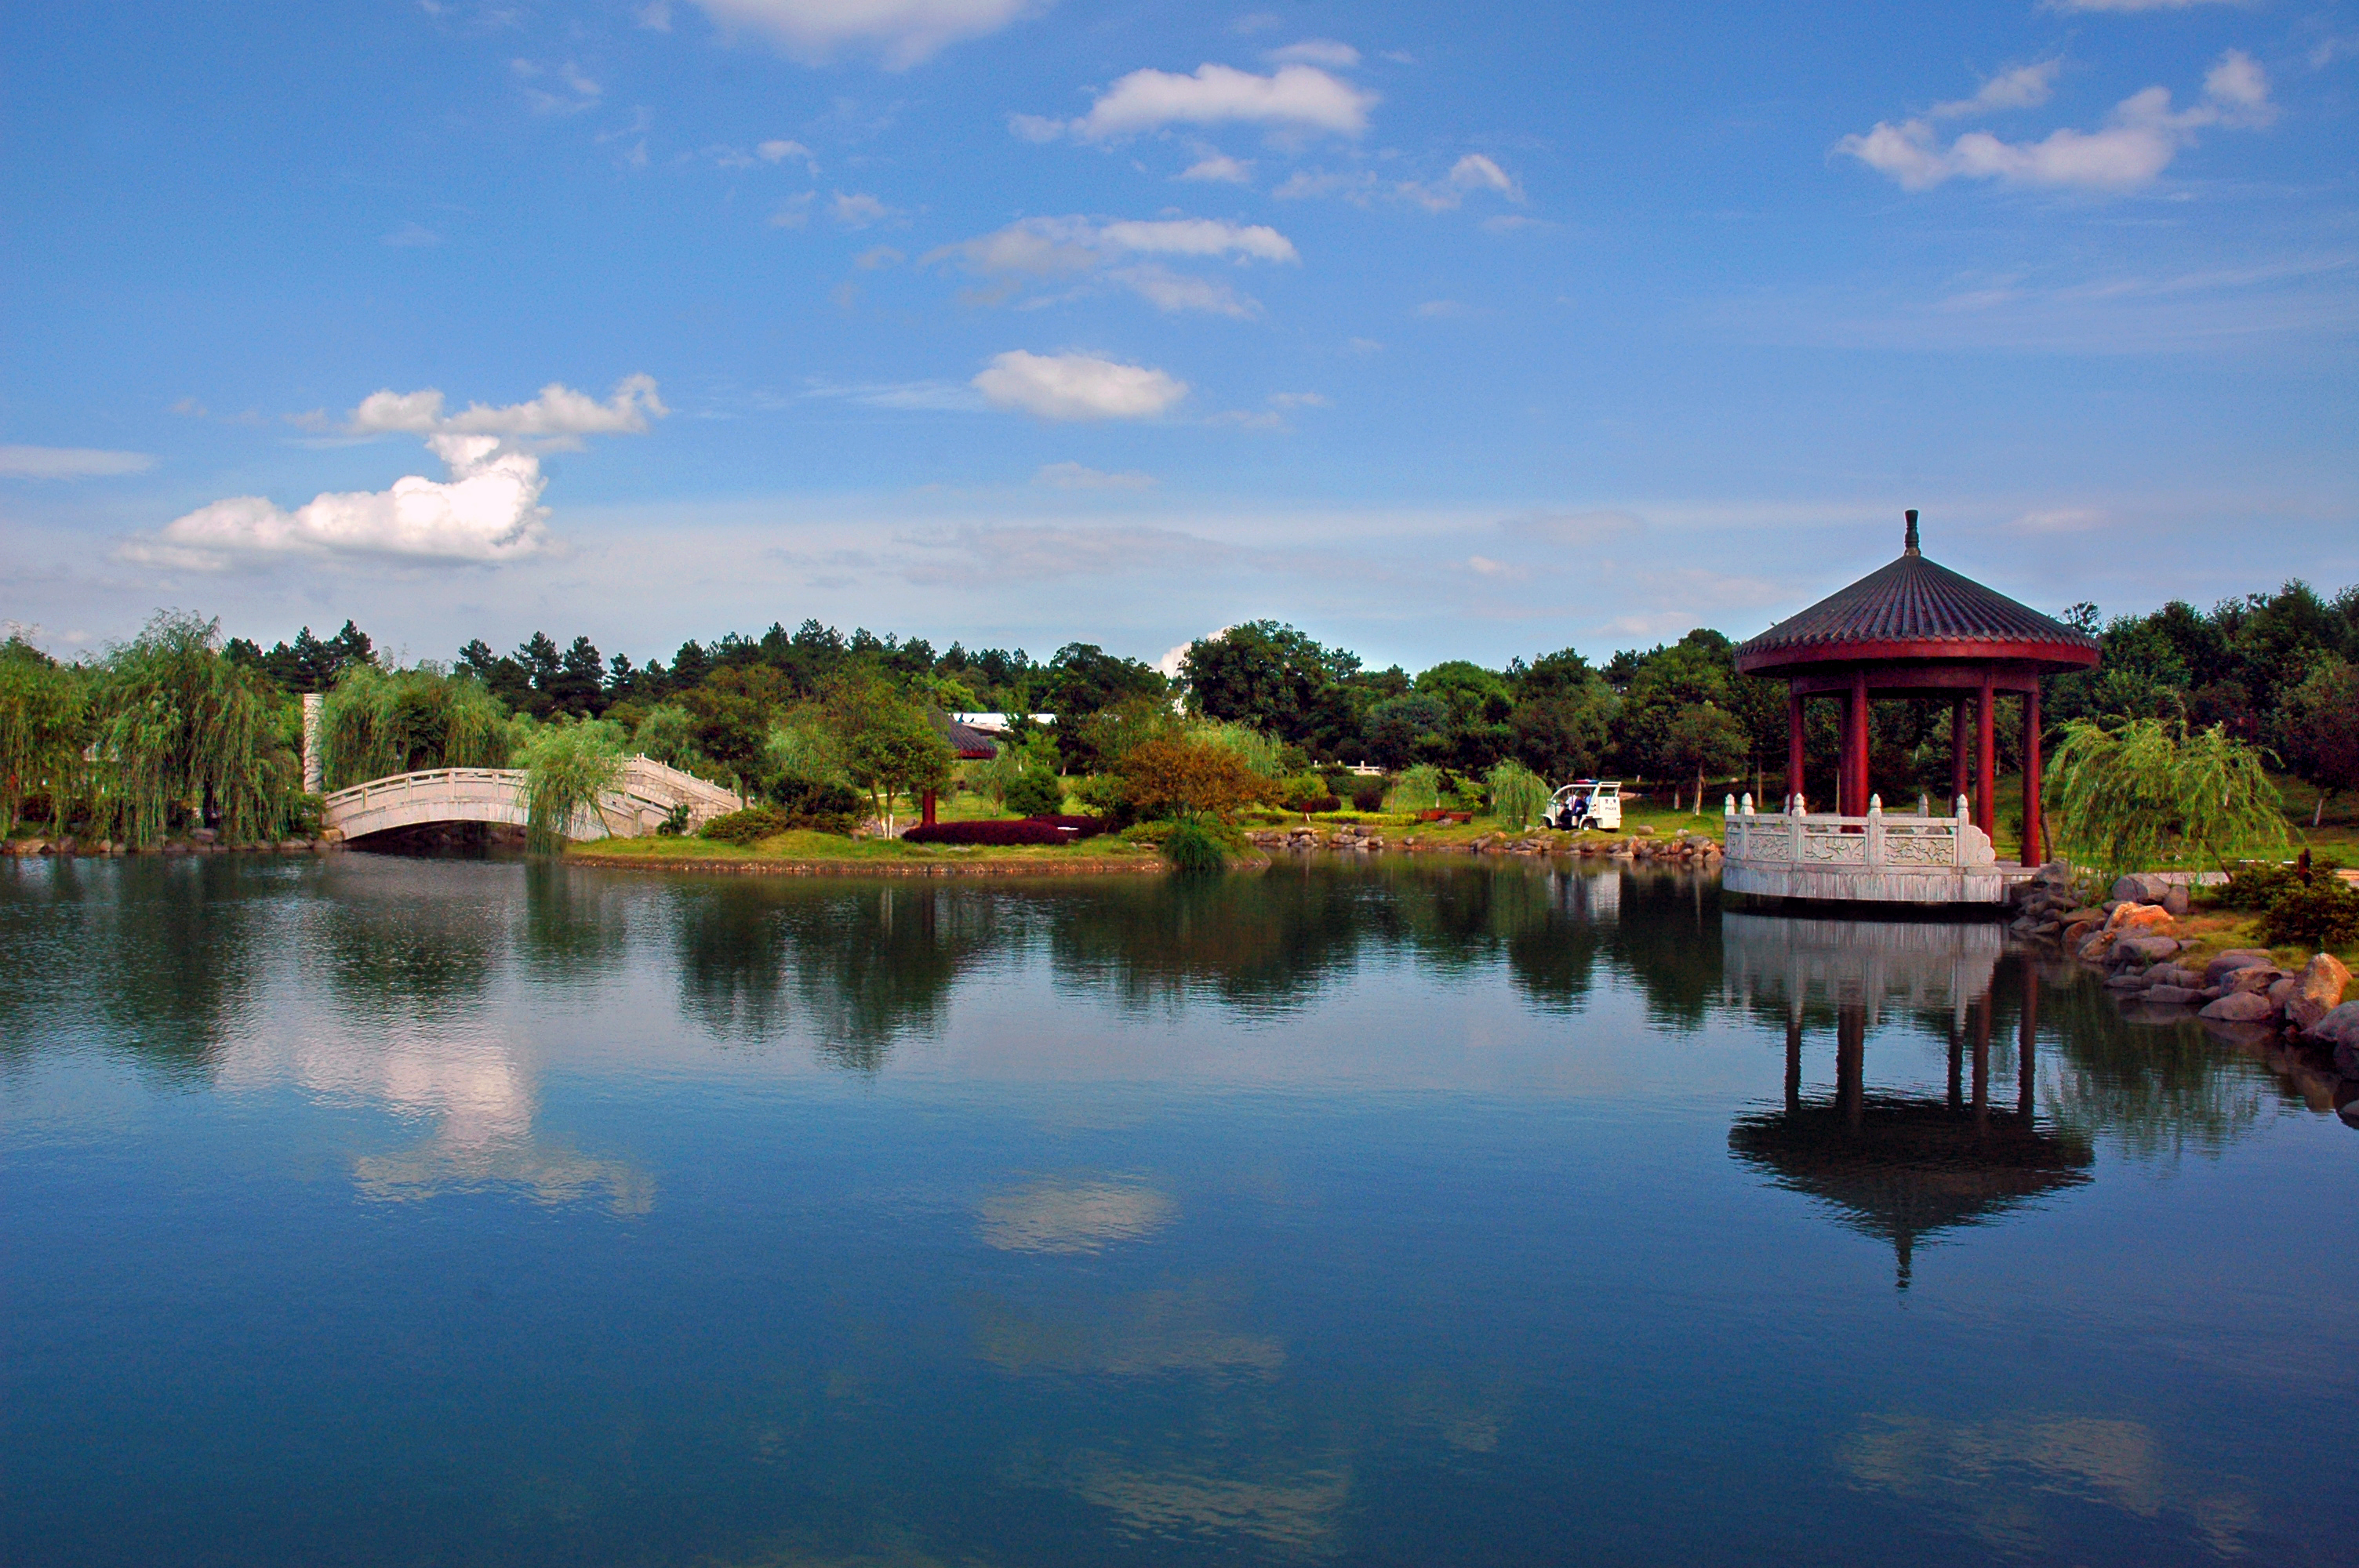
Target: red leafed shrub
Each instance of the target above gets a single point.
(1026, 830)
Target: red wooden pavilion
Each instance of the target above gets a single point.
(1918, 630)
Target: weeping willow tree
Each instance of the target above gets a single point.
(182, 732)
(2133, 795)
(43, 708)
(378, 722)
(1418, 789)
(1517, 795)
(567, 766)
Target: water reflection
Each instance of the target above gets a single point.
(1893, 1165)
(864, 963)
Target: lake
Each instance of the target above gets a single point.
(374, 1210)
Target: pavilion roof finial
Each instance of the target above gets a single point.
(1909, 540)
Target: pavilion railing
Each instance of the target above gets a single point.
(1879, 841)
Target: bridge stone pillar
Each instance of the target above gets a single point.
(312, 703)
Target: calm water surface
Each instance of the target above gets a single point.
(383, 1211)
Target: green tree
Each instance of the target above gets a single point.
(44, 708)
(378, 722)
(1277, 679)
(2143, 793)
(1702, 739)
(1517, 795)
(897, 751)
(568, 765)
(181, 731)
(2318, 723)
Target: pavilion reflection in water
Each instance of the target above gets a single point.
(1902, 1167)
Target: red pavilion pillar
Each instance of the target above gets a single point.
(1957, 754)
(2033, 852)
(1987, 757)
(1793, 742)
(1854, 802)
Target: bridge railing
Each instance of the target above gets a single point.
(1875, 842)
(359, 796)
(648, 791)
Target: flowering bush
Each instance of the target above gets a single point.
(1028, 830)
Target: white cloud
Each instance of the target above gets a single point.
(902, 32)
(778, 151)
(2025, 87)
(2141, 138)
(1065, 247)
(411, 235)
(560, 417)
(793, 213)
(1294, 97)
(578, 92)
(1075, 476)
(1077, 386)
(1035, 127)
(488, 511)
(656, 16)
(1328, 52)
(72, 462)
(1441, 309)
(857, 211)
(1219, 167)
(1474, 172)
(1298, 400)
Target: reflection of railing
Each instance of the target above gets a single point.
(649, 793)
(1875, 842)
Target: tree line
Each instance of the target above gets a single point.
(178, 726)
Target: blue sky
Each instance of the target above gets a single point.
(1438, 331)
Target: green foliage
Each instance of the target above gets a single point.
(179, 725)
(803, 750)
(1368, 794)
(667, 733)
(1701, 740)
(890, 747)
(2319, 911)
(1191, 850)
(675, 822)
(2149, 793)
(568, 765)
(43, 706)
(1015, 758)
(379, 722)
(1418, 789)
(750, 825)
(2319, 728)
(1276, 680)
(1259, 750)
(1035, 793)
(1517, 795)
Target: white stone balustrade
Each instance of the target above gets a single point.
(1883, 857)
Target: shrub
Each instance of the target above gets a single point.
(2319, 912)
(1368, 794)
(750, 825)
(567, 766)
(1189, 780)
(1193, 851)
(1035, 793)
(820, 806)
(1030, 830)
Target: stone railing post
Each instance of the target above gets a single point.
(1875, 832)
(1958, 834)
(312, 703)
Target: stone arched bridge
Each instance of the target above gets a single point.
(649, 795)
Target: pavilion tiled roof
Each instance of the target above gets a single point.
(1913, 609)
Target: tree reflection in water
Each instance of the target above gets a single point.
(161, 953)
(867, 963)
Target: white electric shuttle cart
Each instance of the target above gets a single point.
(1587, 803)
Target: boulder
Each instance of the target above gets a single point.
(2178, 975)
(2256, 979)
(2235, 958)
(2126, 981)
(2175, 996)
(2240, 1007)
(2133, 919)
(2130, 889)
(2096, 948)
(2076, 933)
(2318, 990)
(2339, 1029)
(2176, 900)
(2145, 949)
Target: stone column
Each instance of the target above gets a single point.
(312, 702)
(2026, 1043)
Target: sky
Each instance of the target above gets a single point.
(1438, 331)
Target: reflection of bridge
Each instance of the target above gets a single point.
(649, 795)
